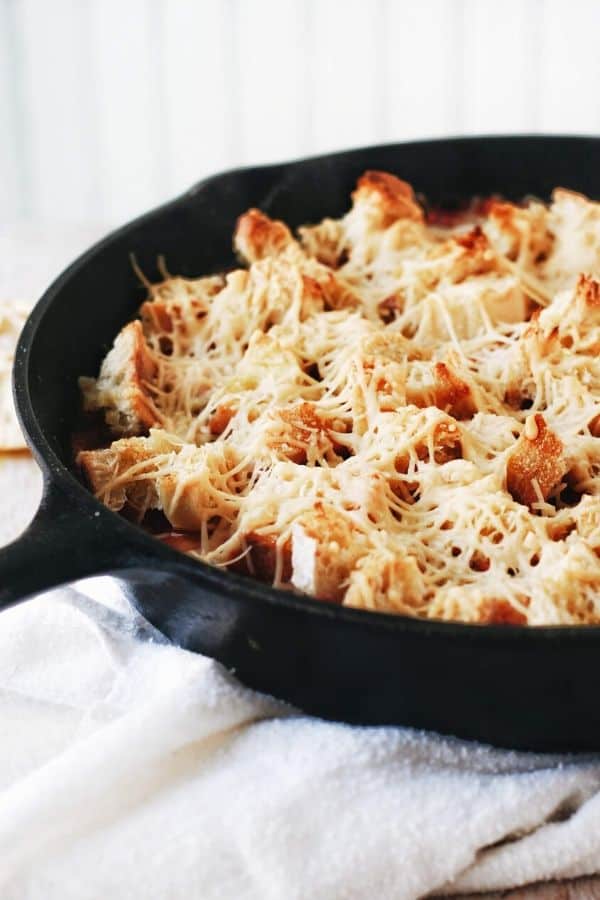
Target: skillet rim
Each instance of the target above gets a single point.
(149, 549)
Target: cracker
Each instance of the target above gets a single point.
(12, 319)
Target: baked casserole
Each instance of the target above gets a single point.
(398, 410)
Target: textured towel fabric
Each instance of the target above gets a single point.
(131, 768)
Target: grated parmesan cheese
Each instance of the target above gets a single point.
(379, 413)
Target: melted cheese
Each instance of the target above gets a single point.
(383, 414)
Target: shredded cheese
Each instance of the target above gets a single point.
(380, 413)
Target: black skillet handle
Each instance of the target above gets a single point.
(62, 543)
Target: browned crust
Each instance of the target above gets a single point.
(301, 423)
(165, 320)
(447, 446)
(447, 443)
(99, 467)
(122, 388)
(544, 343)
(474, 241)
(506, 217)
(89, 461)
(586, 303)
(520, 228)
(157, 316)
(539, 459)
(390, 306)
(449, 393)
(313, 293)
(263, 556)
(533, 324)
(476, 255)
(142, 370)
(337, 550)
(257, 236)
(452, 394)
(500, 210)
(588, 290)
(594, 426)
(395, 197)
(337, 294)
(479, 562)
(496, 611)
(220, 419)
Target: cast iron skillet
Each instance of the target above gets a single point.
(511, 686)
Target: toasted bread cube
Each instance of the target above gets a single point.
(452, 394)
(440, 386)
(475, 255)
(257, 236)
(572, 320)
(220, 419)
(587, 295)
(574, 221)
(506, 301)
(104, 469)
(325, 242)
(121, 389)
(387, 198)
(536, 465)
(471, 603)
(189, 484)
(387, 582)
(175, 314)
(325, 549)
(262, 557)
(198, 489)
(302, 434)
(519, 232)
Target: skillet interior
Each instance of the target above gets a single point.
(514, 687)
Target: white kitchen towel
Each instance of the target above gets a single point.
(132, 769)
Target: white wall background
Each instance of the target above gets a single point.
(108, 107)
